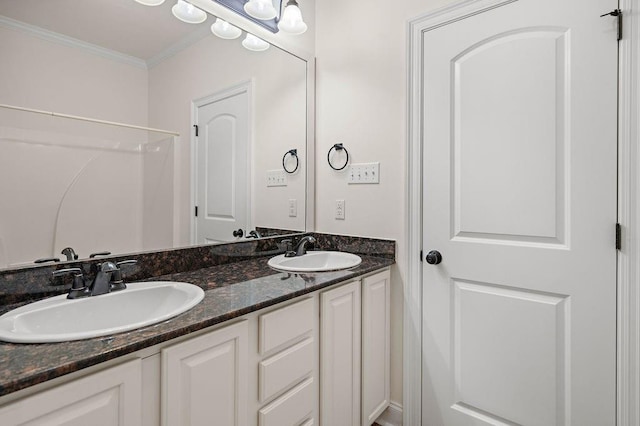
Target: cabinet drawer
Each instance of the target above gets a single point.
(291, 408)
(286, 324)
(285, 368)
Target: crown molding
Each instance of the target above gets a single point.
(179, 46)
(71, 42)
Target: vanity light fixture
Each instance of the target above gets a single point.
(151, 2)
(291, 21)
(186, 12)
(261, 9)
(254, 43)
(225, 30)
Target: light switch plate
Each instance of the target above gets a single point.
(293, 208)
(276, 178)
(363, 173)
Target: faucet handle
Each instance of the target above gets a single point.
(117, 283)
(78, 288)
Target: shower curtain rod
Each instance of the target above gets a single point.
(91, 120)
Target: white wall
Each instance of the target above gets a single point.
(361, 102)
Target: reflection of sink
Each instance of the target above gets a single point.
(315, 261)
(59, 319)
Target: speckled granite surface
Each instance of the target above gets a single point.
(237, 281)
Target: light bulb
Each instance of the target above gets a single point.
(186, 12)
(151, 2)
(254, 43)
(260, 9)
(225, 30)
(291, 21)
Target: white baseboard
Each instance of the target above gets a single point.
(392, 416)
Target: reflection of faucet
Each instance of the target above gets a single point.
(254, 234)
(70, 253)
(301, 247)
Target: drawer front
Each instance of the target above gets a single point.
(286, 368)
(290, 409)
(281, 326)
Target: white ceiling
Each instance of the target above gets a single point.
(121, 25)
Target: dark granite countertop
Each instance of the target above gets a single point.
(231, 290)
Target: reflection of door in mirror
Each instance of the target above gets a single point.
(221, 175)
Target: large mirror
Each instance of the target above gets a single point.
(98, 187)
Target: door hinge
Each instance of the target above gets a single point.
(196, 212)
(196, 127)
(618, 236)
(617, 14)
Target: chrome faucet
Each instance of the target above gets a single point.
(108, 278)
(102, 282)
(301, 247)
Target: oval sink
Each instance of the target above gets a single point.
(59, 319)
(315, 261)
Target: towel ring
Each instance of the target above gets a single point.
(293, 153)
(337, 147)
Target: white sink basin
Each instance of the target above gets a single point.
(59, 319)
(315, 261)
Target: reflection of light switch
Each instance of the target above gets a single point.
(293, 208)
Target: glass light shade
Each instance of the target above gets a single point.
(291, 21)
(260, 9)
(254, 43)
(186, 12)
(225, 30)
(151, 2)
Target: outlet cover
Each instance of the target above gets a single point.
(340, 209)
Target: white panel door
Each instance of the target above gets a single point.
(519, 321)
(223, 164)
(204, 380)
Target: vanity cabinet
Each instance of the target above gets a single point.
(322, 358)
(204, 379)
(111, 397)
(340, 355)
(355, 351)
(287, 366)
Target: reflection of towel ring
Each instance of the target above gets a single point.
(293, 153)
(337, 147)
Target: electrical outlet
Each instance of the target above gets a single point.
(293, 208)
(364, 173)
(276, 178)
(340, 209)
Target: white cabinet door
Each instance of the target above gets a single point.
(376, 350)
(111, 397)
(340, 356)
(204, 380)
